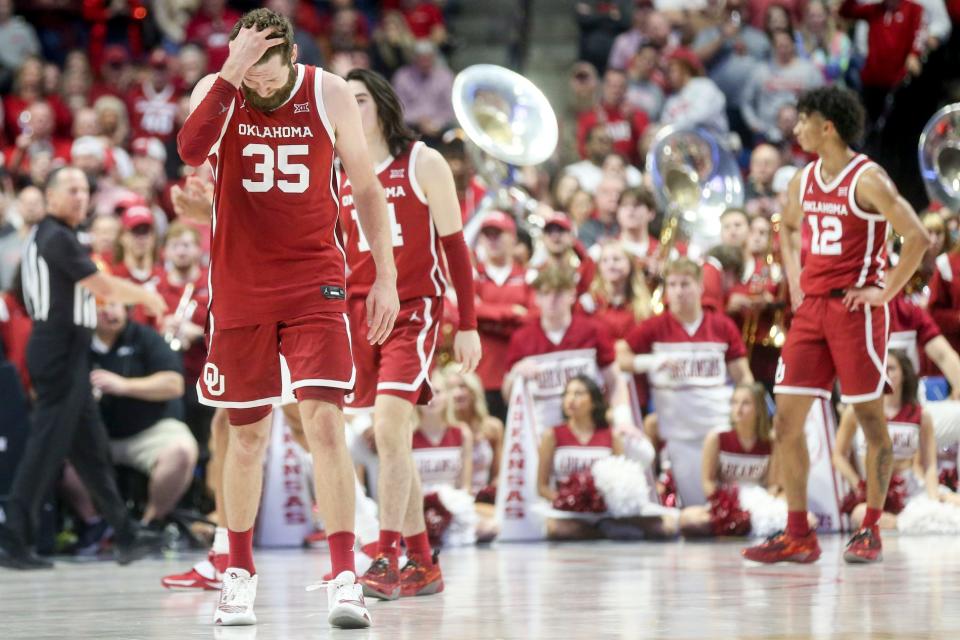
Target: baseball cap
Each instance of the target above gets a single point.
(135, 216)
(557, 219)
(158, 59)
(499, 220)
(88, 146)
(150, 147)
(689, 58)
(114, 55)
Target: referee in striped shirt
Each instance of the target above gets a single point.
(59, 284)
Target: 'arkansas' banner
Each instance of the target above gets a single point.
(517, 483)
(285, 509)
(825, 486)
(554, 370)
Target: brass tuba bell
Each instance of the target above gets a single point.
(939, 152)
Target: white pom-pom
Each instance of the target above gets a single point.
(463, 527)
(924, 516)
(767, 513)
(622, 484)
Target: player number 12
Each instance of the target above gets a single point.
(827, 231)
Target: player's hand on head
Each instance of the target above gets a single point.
(248, 47)
(383, 305)
(466, 350)
(870, 296)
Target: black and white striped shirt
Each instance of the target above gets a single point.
(53, 264)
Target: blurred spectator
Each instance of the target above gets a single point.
(210, 28)
(85, 123)
(149, 161)
(392, 45)
(936, 24)
(76, 86)
(31, 208)
(580, 207)
(561, 249)
(940, 243)
(116, 75)
(307, 50)
(504, 301)
(893, 50)
(183, 254)
(581, 97)
(192, 62)
(425, 20)
(774, 84)
(783, 10)
(152, 105)
(624, 126)
(777, 17)
(114, 121)
(636, 210)
(820, 41)
(470, 189)
(618, 297)
(171, 18)
(627, 44)
(36, 140)
(424, 88)
(559, 329)
(28, 90)
(759, 194)
(598, 145)
(732, 51)
(141, 384)
(15, 327)
(645, 82)
(600, 22)
(344, 27)
(694, 100)
(18, 38)
(137, 255)
(104, 235)
(603, 222)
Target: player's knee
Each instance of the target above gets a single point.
(787, 430)
(392, 439)
(322, 426)
(248, 443)
(875, 432)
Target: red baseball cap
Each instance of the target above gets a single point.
(689, 58)
(115, 54)
(158, 59)
(499, 220)
(558, 219)
(136, 216)
(150, 147)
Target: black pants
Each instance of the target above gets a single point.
(65, 425)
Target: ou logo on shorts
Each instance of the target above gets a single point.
(215, 383)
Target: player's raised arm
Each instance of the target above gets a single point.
(369, 202)
(877, 192)
(436, 179)
(790, 221)
(212, 100)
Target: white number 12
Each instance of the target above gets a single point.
(827, 231)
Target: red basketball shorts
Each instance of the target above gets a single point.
(243, 364)
(826, 342)
(401, 366)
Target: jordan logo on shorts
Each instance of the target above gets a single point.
(215, 383)
(414, 317)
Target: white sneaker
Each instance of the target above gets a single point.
(347, 608)
(236, 599)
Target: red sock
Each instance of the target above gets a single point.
(418, 548)
(389, 543)
(241, 550)
(872, 517)
(341, 552)
(797, 524)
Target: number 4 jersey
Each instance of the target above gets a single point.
(416, 243)
(276, 254)
(846, 244)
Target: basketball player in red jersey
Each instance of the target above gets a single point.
(843, 203)
(425, 227)
(271, 128)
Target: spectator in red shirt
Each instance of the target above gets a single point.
(564, 250)
(137, 257)
(618, 296)
(28, 89)
(504, 301)
(425, 20)
(37, 139)
(624, 125)
(152, 105)
(210, 28)
(116, 74)
(470, 189)
(892, 47)
(15, 327)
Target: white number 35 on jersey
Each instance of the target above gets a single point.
(271, 163)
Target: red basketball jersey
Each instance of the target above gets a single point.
(275, 253)
(416, 243)
(847, 245)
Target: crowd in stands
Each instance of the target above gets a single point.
(104, 86)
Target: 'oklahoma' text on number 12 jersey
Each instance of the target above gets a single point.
(416, 243)
(847, 245)
(275, 253)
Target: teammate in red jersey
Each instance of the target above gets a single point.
(270, 128)
(393, 377)
(844, 202)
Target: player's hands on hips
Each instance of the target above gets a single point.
(383, 305)
(870, 296)
(466, 350)
(108, 382)
(245, 51)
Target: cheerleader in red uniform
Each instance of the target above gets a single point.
(738, 475)
(914, 449)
